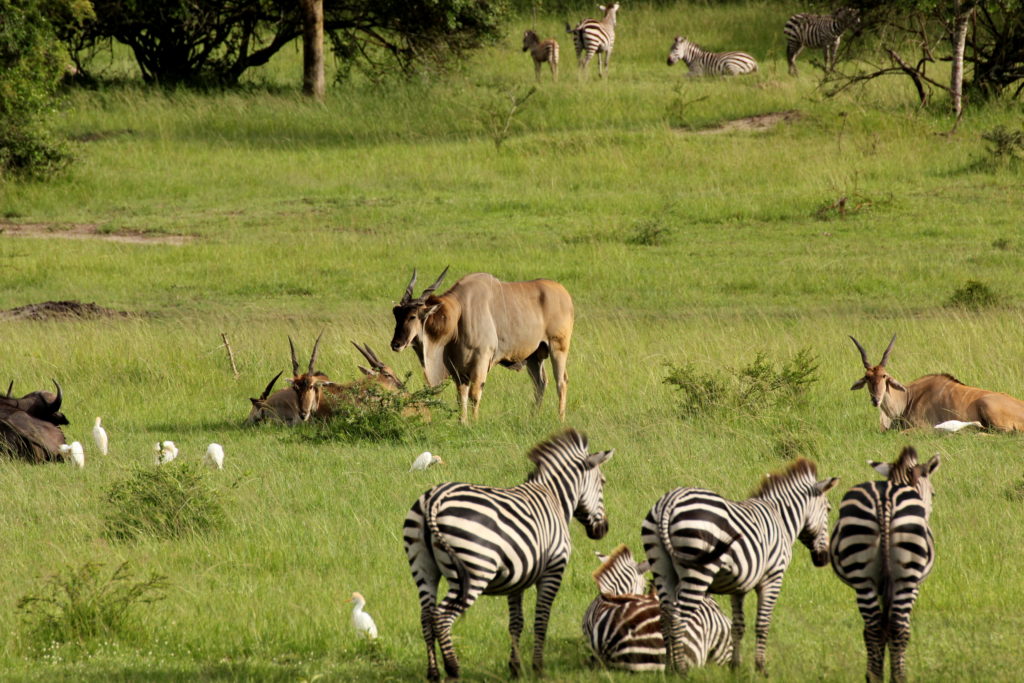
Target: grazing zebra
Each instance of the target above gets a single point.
(592, 37)
(698, 542)
(883, 548)
(623, 624)
(541, 51)
(817, 30)
(704, 63)
(495, 541)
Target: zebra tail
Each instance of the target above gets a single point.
(718, 549)
(885, 588)
(460, 567)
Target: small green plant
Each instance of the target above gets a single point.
(651, 232)
(676, 111)
(498, 119)
(1015, 492)
(699, 391)
(1002, 244)
(166, 501)
(369, 412)
(83, 603)
(973, 296)
(1005, 145)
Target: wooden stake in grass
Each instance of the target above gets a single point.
(231, 354)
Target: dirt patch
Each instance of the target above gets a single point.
(758, 122)
(61, 310)
(86, 231)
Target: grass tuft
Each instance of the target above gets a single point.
(973, 296)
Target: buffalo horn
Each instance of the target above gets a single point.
(10, 388)
(55, 405)
(266, 392)
(295, 363)
(863, 353)
(885, 356)
(407, 297)
(316, 349)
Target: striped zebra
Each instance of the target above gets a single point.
(542, 51)
(592, 37)
(623, 624)
(817, 30)
(700, 543)
(704, 63)
(495, 541)
(883, 548)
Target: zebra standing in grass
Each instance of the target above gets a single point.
(623, 624)
(495, 541)
(541, 51)
(883, 548)
(704, 63)
(592, 37)
(817, 30)
(699, 543)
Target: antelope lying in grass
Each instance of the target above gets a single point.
(542, 51)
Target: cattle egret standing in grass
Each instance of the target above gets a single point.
(956, 425)
(165, 451)
(425, 460)
(100, 435)
(214, 456)
(74, 453)
(361, 621)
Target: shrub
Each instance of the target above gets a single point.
(368, 412)
(972, 295)
(699, 391)
(1005, 145)
(84, 603)
(166, 501)
(649, 233)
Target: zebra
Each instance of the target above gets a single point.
(817, 30)
(592, 37)
(698, 542)
(704, 63)
(541, 51)
(501, 541)
(623, 624)
(883, 548)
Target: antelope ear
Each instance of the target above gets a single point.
(595, 459)
(882, 468)
(894, 384)
(324, 383)
(429, 311)
(290, 381)
(826, 485)
(859, 384)
(255, 401)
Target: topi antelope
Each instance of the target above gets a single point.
(933, 399)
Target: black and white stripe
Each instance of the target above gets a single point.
(698, 543)
(496, 541)
(883, 548)
(817, 30)
(704, 63)
(592, 36)
(623, 624)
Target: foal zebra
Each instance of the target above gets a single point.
(704, 63)
(883, 548)
(541, 51)
(592, 37)
(495, 541)
(699, 543)
(817, 30)
(623, 624)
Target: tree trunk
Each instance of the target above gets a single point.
(313, 48)
(956, 81)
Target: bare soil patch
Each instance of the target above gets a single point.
(757, 123)
(85, 231)
(61, 310)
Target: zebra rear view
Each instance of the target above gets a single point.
(592, 36)
(501, 541)
(699, 542)
(817, 30)
(883, 548)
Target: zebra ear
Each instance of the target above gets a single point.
(600, 556)
(826, 485)
(595, 459)
(932, 465)
(882, 468)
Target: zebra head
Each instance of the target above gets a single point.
(681, 48)
(814, 533)
(590, 509)
(847, 17)
(907, 472)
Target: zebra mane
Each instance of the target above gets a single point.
(904, 470)
(798, 469)
(569, 442)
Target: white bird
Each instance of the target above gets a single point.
(361, 621)
(99, 434)
(74, 453)
(425, 460)
(214, 456)
(956, 425)
(165, 451)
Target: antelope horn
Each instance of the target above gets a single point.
(863, 353)
(10, 388)
(407, 297)
(430, 290)
(266, 392)
(316, 348)
(369, 355)
(55, 405)
(885, 356)
(295, 363)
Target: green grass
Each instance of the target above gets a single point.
(680, 248)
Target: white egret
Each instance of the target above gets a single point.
(956, 425)
(74, 453)
(425, 460)
(165, 451)
(214, 456)
(361, 621)
(99, 434)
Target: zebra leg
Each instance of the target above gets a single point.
(426, 574)
(445, 615)
(536, 69)
(792, 50)
(585, 60)
(428, 597)
(899, 635)
(738, 627)
(515, 628)
(547, 588)
(767, 595)
(874, 631)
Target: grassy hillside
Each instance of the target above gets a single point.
(261, 215)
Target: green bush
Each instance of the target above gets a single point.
(165, 501)
(369, 412)
(973, 296)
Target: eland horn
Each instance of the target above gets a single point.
(863, 354)
(316, 349)
(885, 356)
(407, 297)
(430, 290)
(295, 362)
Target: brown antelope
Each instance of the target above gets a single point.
(337, 396)
(277, 407)
(482, 321)
(542, 51)
(932, 399)
(296, 403)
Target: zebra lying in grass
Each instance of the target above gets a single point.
(704, 63)
(498, 541)
(541, 51)
(700, 543)
(817, 30)
(883, 548)
(623, 624)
